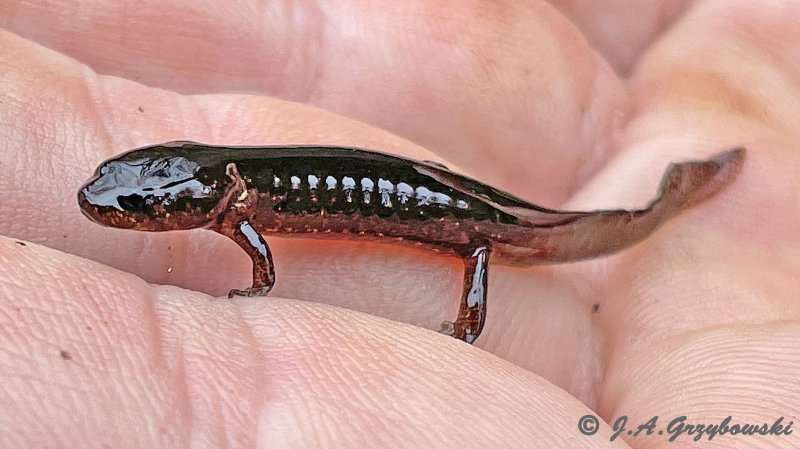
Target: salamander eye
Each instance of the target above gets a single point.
(132, 203)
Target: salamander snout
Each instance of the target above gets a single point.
(149, 193)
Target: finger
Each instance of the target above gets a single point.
(510, 92)
(736, 263)
(621, 30)
(745, 372)
(163, 367)
(758, 213)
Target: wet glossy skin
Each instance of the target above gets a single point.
(246, 193)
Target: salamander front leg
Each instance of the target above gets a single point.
(472, 312)
(258, 250)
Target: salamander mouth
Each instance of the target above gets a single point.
(88, 209)
(109, 216)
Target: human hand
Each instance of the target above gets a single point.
(510, 94)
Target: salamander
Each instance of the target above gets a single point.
(247, 193)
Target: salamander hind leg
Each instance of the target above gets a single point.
(472, 312)
(258, 250)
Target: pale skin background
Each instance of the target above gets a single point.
(573, 104)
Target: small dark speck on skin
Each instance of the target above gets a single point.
(596, 308)
(89, 328)
(65, 236)
(20, 243)
(141, 109)
(66, 355)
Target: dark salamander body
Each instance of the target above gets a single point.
(246, 193)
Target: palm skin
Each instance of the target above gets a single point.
(694, 321)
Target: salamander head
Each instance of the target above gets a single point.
(156, 188)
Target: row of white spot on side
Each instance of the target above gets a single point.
(386, 189)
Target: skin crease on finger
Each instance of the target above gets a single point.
(654, 366)
(510, 90)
